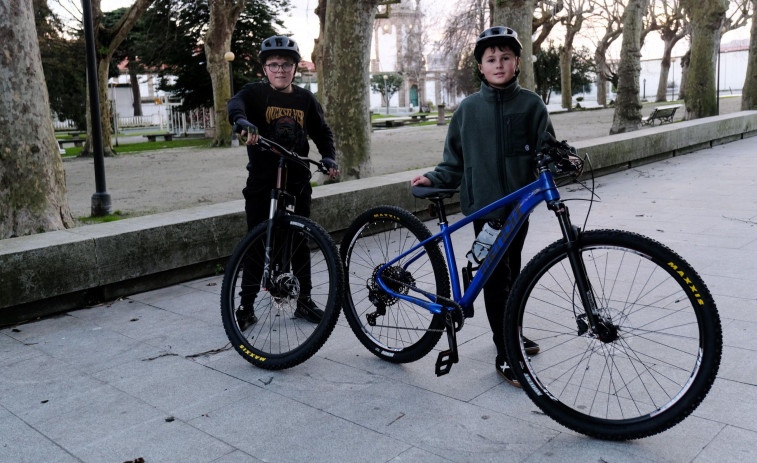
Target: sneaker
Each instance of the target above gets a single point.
(531, 347)
(246, 317)
(504, 370)
(306, 309)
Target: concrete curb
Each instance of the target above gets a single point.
(53, 272)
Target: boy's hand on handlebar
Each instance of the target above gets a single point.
(246, 128)
(332, 167)
(420, 180)
(578, 164)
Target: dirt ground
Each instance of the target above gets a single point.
(166, 180)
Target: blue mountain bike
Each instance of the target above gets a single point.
(630, 336)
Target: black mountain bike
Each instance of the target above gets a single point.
(281, 264)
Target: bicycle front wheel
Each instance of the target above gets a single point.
(304, 263)
(390, 327)
(648, 362)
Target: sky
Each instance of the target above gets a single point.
(302, 23)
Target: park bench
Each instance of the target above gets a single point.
(390, 122)
(74, 141)
(660, 115)
(168, 136)
(416, 117)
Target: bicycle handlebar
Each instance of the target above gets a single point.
(274, 147)
(562, 154)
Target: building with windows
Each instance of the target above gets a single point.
(398, 47)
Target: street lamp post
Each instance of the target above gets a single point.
(386, 95)
(101, 198)
(229, 57)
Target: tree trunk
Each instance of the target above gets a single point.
(223, 17)
(670, 38)
(136, 94)
(346, 81)
(566, 53)
(573, 22)
(317, 56)
(627, 116)
(32, 177)
(106, 43)
(546, 29)
(684, 75)
(662, 84)
(706, 19)
(600, 60)
(749, 94)
(518, 15)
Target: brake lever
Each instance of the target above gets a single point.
(323, 169)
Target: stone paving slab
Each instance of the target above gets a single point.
(152, 375)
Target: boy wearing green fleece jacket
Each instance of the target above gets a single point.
(490, 151)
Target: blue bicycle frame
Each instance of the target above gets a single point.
(543, 189)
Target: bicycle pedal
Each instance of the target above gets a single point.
(444, 361)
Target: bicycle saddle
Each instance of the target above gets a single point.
(432, 193)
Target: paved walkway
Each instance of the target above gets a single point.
(151, 376)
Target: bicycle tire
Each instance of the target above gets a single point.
(279, 339)
(642, 381)
(378, 235)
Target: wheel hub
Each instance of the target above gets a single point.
(606, 331)
(397, 279)
(284, 287)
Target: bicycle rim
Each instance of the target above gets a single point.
(405, 332)
(282, 338)
(650, 363)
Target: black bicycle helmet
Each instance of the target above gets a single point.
(279, 45)
(497, 35)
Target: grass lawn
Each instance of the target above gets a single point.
(147, 146)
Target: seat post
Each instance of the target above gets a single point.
(440, 210)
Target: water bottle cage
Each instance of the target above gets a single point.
(484, 241)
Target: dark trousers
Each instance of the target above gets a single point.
(257, 207)
(497, 288)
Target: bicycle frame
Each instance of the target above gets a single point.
(543, 189)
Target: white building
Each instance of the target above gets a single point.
(398, 47)
(731, 68)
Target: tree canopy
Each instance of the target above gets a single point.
(547, 71)
(387, 84)
(171, 42)
(61, 62)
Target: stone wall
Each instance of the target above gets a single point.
(57, 271)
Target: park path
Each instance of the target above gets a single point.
(166, 180)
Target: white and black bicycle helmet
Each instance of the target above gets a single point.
(279, 45)
(497, 35)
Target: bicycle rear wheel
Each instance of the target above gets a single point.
(404, 332)
(304, 262)
(649, 363)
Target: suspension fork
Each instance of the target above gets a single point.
(572, 235)
(273, 214)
